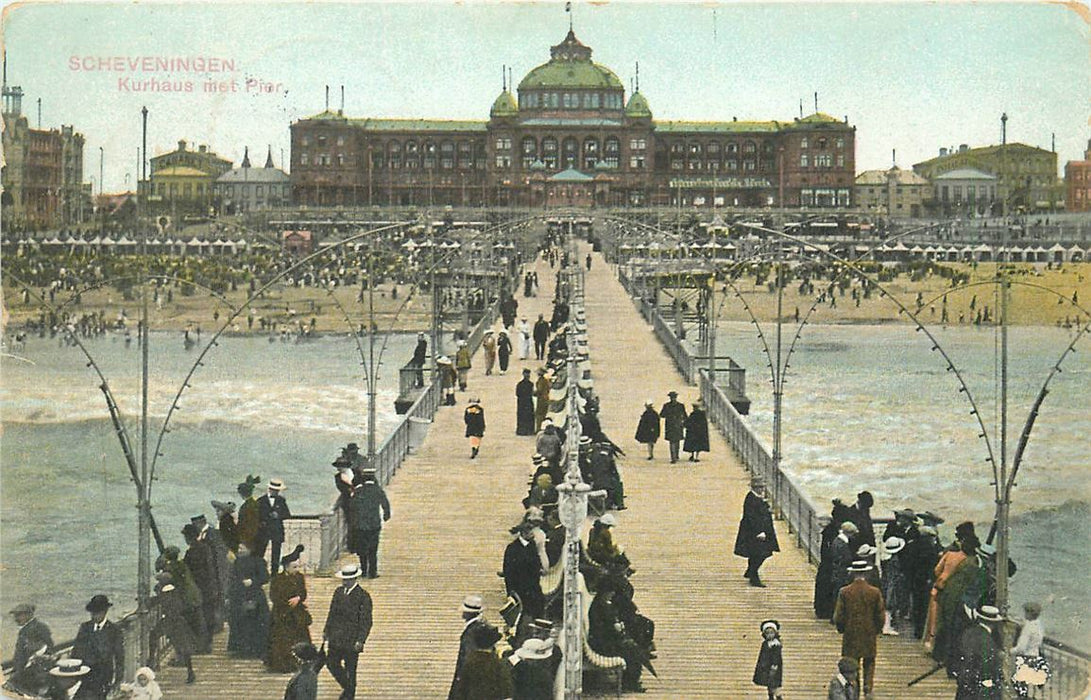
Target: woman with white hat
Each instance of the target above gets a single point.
(895, 589)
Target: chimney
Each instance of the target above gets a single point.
(962, 147)
(181, 144)
(341, 111)
(202, 148)
(942, 152)
(327, 98)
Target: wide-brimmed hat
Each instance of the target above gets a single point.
(276, 484)
(221, 506)
(905, 513)
(893, 545)
(444, 360)
(472, 604)
(859, 567)
(349, 571)
(22, 609)
(485, 636)
(342, 463)
(607, 520)
(865, 550)
(930, 518)
(988, 613)
(648, 403)
(672, 394)
(770, 623)
(246, 488)
(69, 668)
(849, 526)
(305, 651)
(98, 603)
(535, 648)
(352, 447)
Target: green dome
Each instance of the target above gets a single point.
(504, 106)
(638, 107)
(570, 74)
(570, 66)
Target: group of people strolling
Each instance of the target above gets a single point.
(681, 430)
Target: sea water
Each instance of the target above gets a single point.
(874, 407)
(274, 409)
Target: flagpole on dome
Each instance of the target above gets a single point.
(568, 10)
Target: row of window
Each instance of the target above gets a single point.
(822, 143)
(239, 191)
(184, 189)
(549, 144)
(713, 147)
(322, 140)
(748, 165)
(954, 193)
(570, 100)
(821, 160)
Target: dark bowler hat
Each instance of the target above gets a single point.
(99, 603)
(22, 609)
(672, 394)
(352, 447)
(342, 463)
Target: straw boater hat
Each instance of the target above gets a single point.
(444, 360)
(69, 668)
(648, 403)
(349, 571)
(864, 551)
(770, 623)
(893, 545)
(859, 567)
(276, 484)
(534, 648)
(988, 613)
(472, 604)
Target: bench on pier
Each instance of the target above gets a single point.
(610, 666)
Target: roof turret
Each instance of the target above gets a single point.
(638, 107)
(570, 66)
(504, 106)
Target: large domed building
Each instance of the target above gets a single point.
(569, 137)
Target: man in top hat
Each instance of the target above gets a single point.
(33, 644)
(673, 414)
(369, 508)
(474, 627)
(979, 669)
(843, 686)
(304, 684)
(272, 512)
(859, 616)
(67, 679)
(347, 628)
(351, 452)
(757, 539)
(100, 645)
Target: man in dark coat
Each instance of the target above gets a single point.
(369, 508)
(979, 658)
(840, 556)
(696, 432)
(249, 522)
(541, 337)
(524, 405)
(199, 561)
(607, 635)
(484, 675)
(825, 595)
(218, 548)
(272, 512)
(347, 628)
(172, 623)
(101, 647)
(304, 684)
(673, 414)
(33, 645)
(647, 430)
(474, 628)
(859, 616)
(757, 539)
(420, 354)
(523, 570)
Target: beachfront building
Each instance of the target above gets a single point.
(894, 192)
(1026, 176)
(1077, 179)
(245, 188)
(42, 176)
(180, 182)
(570, 136)
(965, 192)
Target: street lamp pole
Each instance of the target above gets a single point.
(373, 373)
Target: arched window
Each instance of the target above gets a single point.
(549, 152)
(429, 155)
(749, 147)
(732, 148)
(529, 149)
(570, 149)
(590, 152)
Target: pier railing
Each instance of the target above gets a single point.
(325, 533)
(1071, 668)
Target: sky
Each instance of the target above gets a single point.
(910, 76)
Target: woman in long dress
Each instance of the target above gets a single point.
(696, 440)
(291, 619)
(503, 350)
(248, 615)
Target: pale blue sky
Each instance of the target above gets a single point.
(910, 76)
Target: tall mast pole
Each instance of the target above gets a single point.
(373, 373)
(144, 570)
